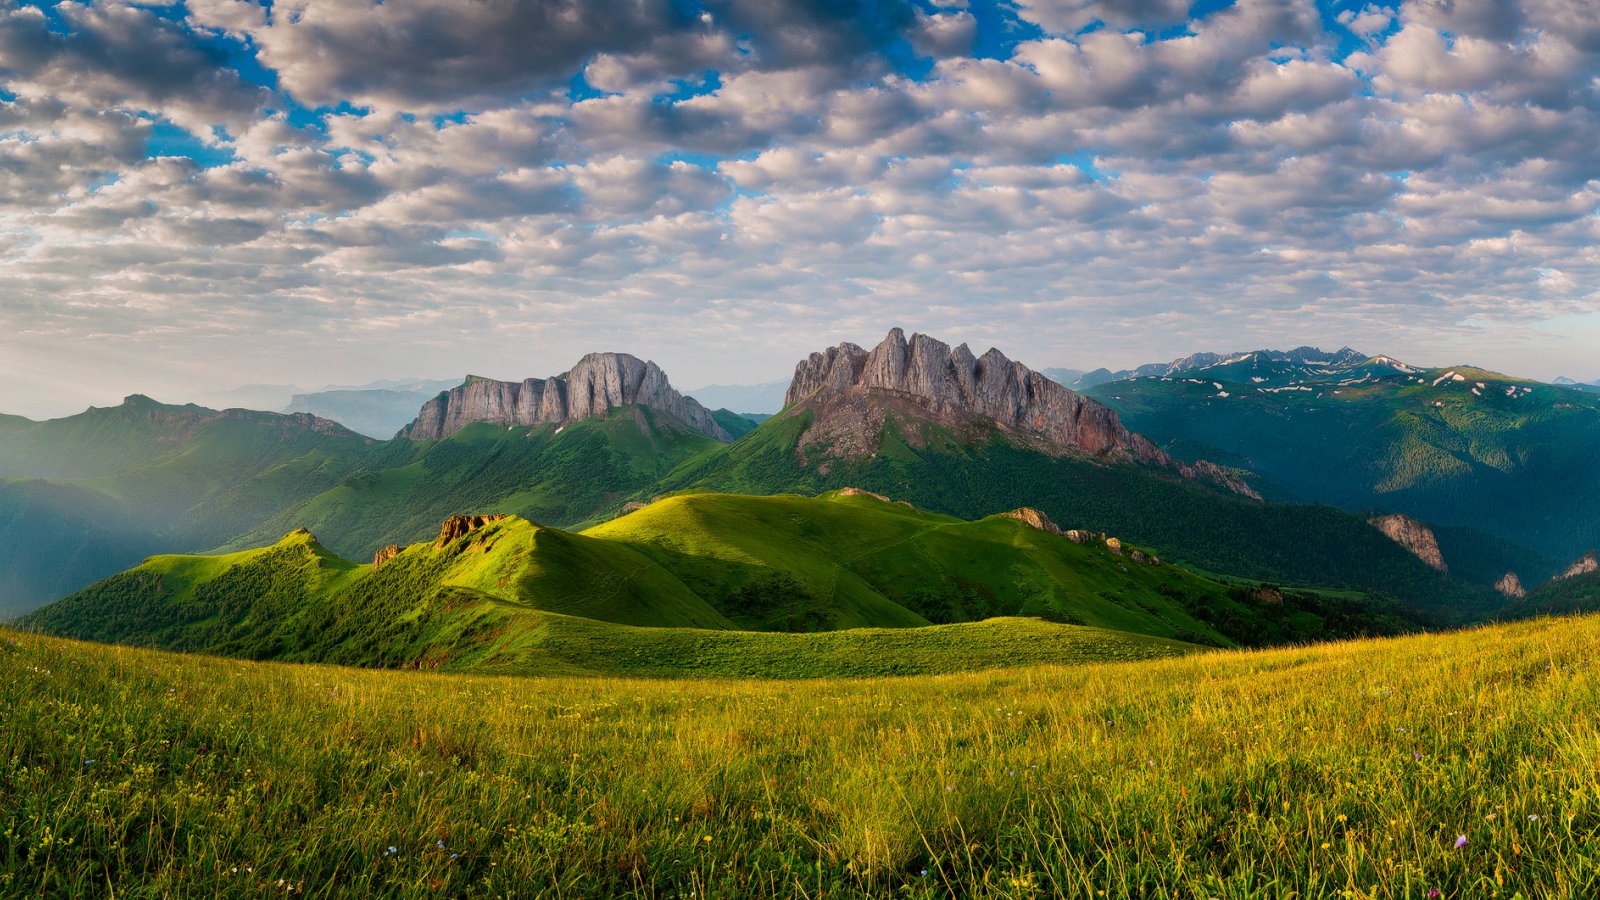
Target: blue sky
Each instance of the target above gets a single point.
(213, 192)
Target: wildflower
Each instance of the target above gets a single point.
(1461, 841)
(706, 838)
(1533, 818)
(440, 844)
(924, 873)
(1433, 892)
(88, 762)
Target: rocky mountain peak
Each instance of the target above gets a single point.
(1414, 536)
(598, 383)
(850, 391)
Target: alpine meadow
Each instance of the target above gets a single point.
(1143, 449)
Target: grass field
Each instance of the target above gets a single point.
(1461, 763)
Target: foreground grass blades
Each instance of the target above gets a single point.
(1461, 763)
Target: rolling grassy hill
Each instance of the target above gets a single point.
(1305, 545)
(1459, 763)
(500, 593)
(1458, 447)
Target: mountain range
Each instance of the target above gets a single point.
(948, 431)
(1459, 447)
(377, 412)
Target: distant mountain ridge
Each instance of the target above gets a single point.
(765, 398)
(1342, 358)
(377, 412)
(1451, 446)
(598, 383)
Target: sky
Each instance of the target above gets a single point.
(201, 194)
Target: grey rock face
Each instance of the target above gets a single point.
(1589, 562)
(849, 390)
(598, 383)
(953, 385)
(1414, 536)
(1510, 586)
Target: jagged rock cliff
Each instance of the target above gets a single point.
(1510, 586)
(849, 391)
(597, 384)
(955, 387)
(1589, 562)
(1414, 536)
(460, 526)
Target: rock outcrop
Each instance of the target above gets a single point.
(1416, 537)
(1267, 594)
(1033, 518)
(955, 387)
(850, 391)
(862, 492)
(1114, 545)
(599, 383)
(384, 554)
(460, 526)
(1589, 562)
(1510, 586)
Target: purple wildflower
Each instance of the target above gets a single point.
(1461, 841)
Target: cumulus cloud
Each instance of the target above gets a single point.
(442, 54)
(423, 182)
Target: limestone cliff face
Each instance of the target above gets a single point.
(597, 384)
(1510, 586)
(954, 385)
(1589, 562)
(850, 391)
(1414, 536)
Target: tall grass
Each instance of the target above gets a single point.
(1341, 770)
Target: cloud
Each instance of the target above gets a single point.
(1072, 16)
(443, 55)
(421, 183)
(118, 56)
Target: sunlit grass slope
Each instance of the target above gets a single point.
(1465, 763)
(502, 594)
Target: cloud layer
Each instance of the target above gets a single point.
(219, 190)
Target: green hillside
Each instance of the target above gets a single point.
(1458, 446)
(1460, 763)
(482, 595)
(1561, 596)
(1301, 545)
(87, 495)
(565, 476)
